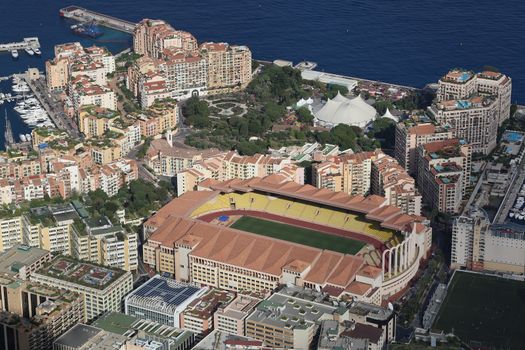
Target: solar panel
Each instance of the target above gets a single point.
(158, 287)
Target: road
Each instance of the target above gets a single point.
(54, 107)
(144, 173)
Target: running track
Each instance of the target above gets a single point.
(309, 225)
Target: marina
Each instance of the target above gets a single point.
(30, 45)
(83, 15)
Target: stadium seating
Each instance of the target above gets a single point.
(295, 210)
(309, 212)
(323, 216)
(338, 219)
(278, 206)
(258, 201)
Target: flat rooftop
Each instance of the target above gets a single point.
(18, 256)
(78, 336)
(223, 341)
(291, 308)
(79, 272)
(122, 324)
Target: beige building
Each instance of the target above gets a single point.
(474, 105)
(477, 245)
(175, 65)
(229, 67)
(103, 288)
(474, 120)
(32, 316)
(410, 134)
(20, 261)
(57, 74)
(231, 318)
(198, 317)
(94, 120)
(369, 173)
(444, 169)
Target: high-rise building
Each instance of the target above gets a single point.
(32, 316)
(473, 105)
(103, 288)
(409, 135)
(444, 173)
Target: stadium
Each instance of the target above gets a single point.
(256, 234)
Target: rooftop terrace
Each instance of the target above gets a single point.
(79, 272)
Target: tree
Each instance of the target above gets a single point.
(197, 112)
(333, 89)
(384, 130)
(304, 115)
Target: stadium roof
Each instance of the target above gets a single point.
(373, 206)
(258, 253)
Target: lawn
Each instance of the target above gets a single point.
(483, 308)
(298, 235)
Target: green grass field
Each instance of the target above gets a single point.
(298, 235)
(485, 308)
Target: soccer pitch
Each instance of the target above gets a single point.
(486, 309)
(298, 235)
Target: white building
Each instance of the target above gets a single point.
(341, 110)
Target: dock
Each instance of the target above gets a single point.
(83, 15)
(27, 43)
(8, 133)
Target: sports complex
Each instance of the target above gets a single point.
(485, 311)
(256, 234)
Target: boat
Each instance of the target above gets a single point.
(89, 29)
(511, 215)
(29, 51)
(14, 53)
(28, 137)
(37, 51)
(22, 137)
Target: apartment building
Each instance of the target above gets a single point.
(168, 159)
(444, 173)
(231, 318)
(474, 120)
(412, 133)
(198, 316)
(32, 316)
(115, 330)
(71, 60)
(460, 84)
(20, 261)
(84, 91)
(229, 67)
(94, 120)
(367, 173)
(103, 288)
(231, 165)
(160, 117)
(477, 245)
(474, 105)
(162, 300)
(175, 65)
(11, 233)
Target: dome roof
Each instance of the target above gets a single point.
(341, 110)
(390, 115)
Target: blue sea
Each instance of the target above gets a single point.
(401, 41)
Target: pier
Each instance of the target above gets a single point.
(83, 15)
(28, 43)
(8, 134)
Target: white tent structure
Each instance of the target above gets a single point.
(390, 116)
(341, 110)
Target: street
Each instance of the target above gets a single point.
(53, 107)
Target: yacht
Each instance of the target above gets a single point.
(22, 137)
(28, 137)
(29, 51)
(14, 53)
(37, 51)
